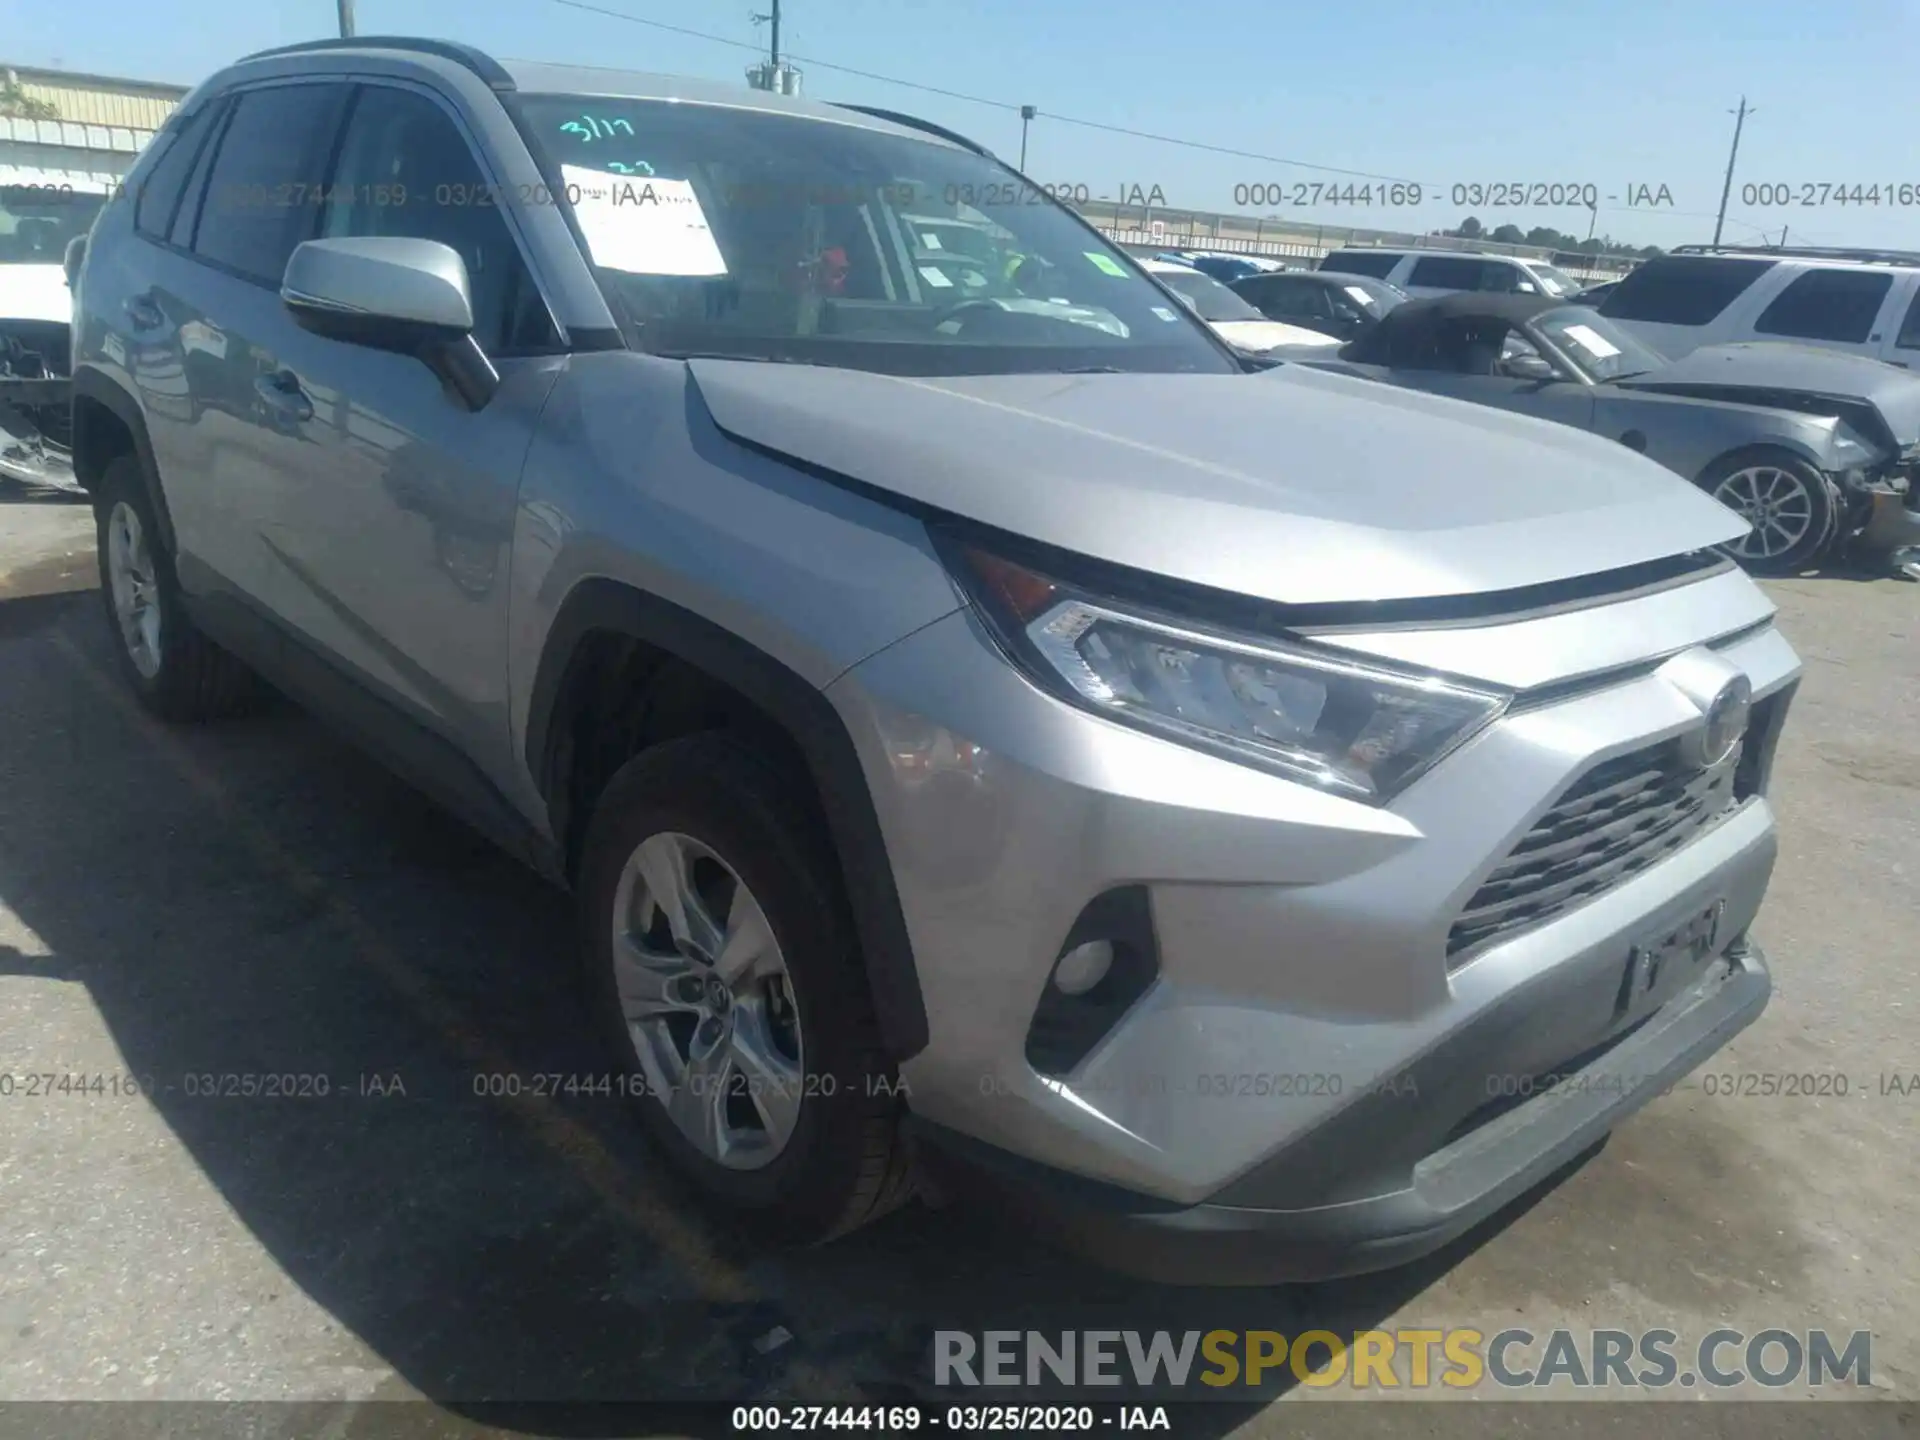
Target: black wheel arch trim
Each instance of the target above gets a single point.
(808, 717)
(92, 385)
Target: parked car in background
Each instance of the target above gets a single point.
(1807, 446)
(1222, 267)
(1441, 272)
(1865, 302)
(1594, 294)
(1327, 301)
(1232, 318)
(963, 730)
(41, 213)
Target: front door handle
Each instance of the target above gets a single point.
(282, 391)
(144, 314)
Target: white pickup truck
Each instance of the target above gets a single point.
(40, 213)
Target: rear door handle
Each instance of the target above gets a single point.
(282, 391)
(144, 314)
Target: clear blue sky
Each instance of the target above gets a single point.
(1619, 93)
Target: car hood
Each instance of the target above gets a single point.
(35, 292)
(1752, 373)
(1265, 334)
(1293, 485)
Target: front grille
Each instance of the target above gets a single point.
(1621, 817)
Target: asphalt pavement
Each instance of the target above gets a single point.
(179, 905)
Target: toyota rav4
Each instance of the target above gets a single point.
(1261, 821)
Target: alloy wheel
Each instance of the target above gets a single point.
(1772, 500)
(136, 591)
(708, 1001)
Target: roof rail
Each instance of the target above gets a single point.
(914, 122)
(1806, 252)
(478, 61)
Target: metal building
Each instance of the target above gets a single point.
(68, 127)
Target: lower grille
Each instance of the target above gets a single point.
(1621, 817)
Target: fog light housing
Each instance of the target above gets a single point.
(1083, 967)
(1109, 959)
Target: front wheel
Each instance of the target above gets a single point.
(1793, 508)
(725, 977)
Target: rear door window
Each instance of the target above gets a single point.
(1682, 289)
(264, 190)
(1448, 272)
(1832, 305)
(1377, 263)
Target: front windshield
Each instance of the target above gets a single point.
(1598, 346)
(37, 221)
(1557, 282)
(765, 236)
(1211, 301)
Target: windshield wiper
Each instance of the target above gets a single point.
(1086, 370)
(735, 355)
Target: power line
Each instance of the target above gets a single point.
(1028, 112)
(983, 100)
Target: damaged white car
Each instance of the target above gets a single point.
(39, 215)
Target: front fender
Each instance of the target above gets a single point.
(1688, 435)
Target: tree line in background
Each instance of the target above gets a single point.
(1546, 236)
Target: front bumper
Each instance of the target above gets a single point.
(1890, 524)
(1303, 940)
(1559, 1115)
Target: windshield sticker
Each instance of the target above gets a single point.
(1357, 293)
(935, 278)
(1164, 313)
(642, 226)
(930, 240)
(1106, 264)
(593, 127)
(1591, 341)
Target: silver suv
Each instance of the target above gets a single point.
(1263, 821)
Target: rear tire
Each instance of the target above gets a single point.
(175, 671)
(1793, 508)
(800, 1130)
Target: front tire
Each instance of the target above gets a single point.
(174, 670)
(723, 975)
(1793, 508)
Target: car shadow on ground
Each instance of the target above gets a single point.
(342, 1002)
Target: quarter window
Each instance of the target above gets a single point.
(158, 195)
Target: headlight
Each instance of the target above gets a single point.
(1353, 728)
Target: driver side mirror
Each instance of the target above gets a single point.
(393, 293)
(1527, 367)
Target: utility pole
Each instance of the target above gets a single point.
(774, 47)
(1027, 112)
(1732, 155)
(346, 18)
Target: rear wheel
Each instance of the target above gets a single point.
(1793, 508)
(725, 979)
(177, 672)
